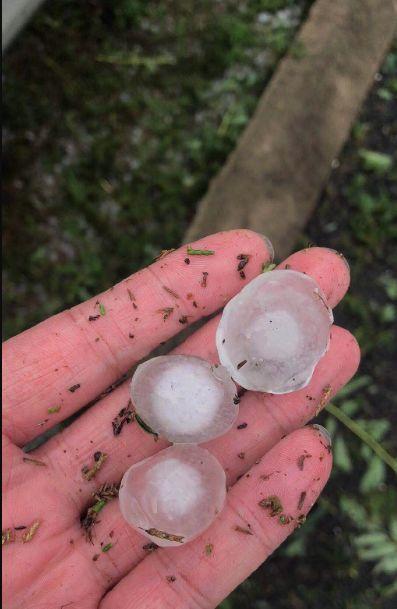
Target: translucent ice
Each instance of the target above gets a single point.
(173, 496)
(273, 333)
(184, 398)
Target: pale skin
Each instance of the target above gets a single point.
(275, 454)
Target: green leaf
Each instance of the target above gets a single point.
(385, 94)
(379, 550)
(266, 267)
(393, 85)
(354, 510)
(389, 284)
(54, 409)
(354, 385)
(376, 161)
(388, 564)
(342, 458)
(331, 425)
(393, 529)
(98, 506)
(295, 548)
(367, 539)
(366, 452)
(193, 252)
(388, 313)
(350, 407)
(374, 475)
(145, 426)
(360, 130)
(375, 427)
(359, 431)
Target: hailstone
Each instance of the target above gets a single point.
(184, 398)
(273, 333)
(174, 495)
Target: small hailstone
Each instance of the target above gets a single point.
(174, 495)
(184, 398)
(273, 333)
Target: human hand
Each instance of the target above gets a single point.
(68, 360)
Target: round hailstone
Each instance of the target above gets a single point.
(173, 496)
(184, 398)
(273, 333)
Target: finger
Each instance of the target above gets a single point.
(265, 419)
(67, 360)
(74, 448)
(237, 451)
(328, 267)
(262, 430)
(206, 570)
(260, 426)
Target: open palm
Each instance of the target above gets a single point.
(59, 366)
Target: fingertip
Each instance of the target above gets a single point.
(341, 256)
(310, 447)
(322, 447)
(327, 266)
(268, 244)
(339, 268)
(349, 351)
(325, 436)
(257, 241)
(239, 256)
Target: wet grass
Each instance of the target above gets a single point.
(112, 135)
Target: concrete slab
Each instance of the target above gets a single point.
(272, 180)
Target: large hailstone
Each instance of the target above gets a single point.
(173, 496)
(273, 333)
(184, 398)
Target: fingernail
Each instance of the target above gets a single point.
(341, 256)
(324, 433)
(269, 245)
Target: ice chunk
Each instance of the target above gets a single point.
(184, 398)
(273, 333)
(175, 495)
